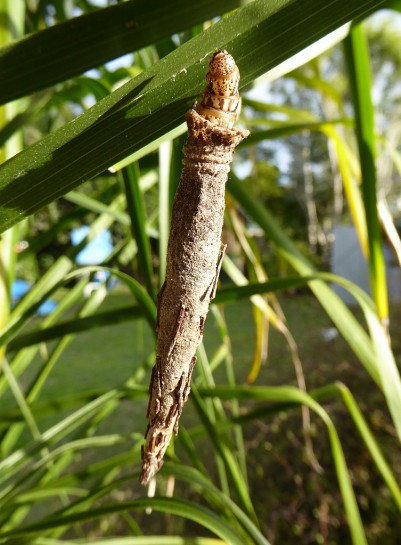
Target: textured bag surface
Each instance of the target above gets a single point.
(194, 254)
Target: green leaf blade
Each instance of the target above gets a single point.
(68, 49)
(260, 35)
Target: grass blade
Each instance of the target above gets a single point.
(382, 366)
(80, 325)
(291, 394)
(136, 208)
(335, 308)
(358, 63)
(194, 477)
(371, 443)
(226, 455)
(185, 509)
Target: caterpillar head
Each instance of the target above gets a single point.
(223, 75)
(220, 100)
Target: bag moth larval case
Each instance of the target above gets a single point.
(194, 254)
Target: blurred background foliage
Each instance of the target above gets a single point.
(292, 431)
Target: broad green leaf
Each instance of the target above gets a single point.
(394, 4)
(178, 131)
(260, 36)
(69, 48)
(11, 25)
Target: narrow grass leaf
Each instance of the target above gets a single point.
(78, 325)
(352, 191)
(21, 457)
(94, 205)
(136, 209)
(384, 368)
(288, 129)
(227, 457)
(185, 509)
(144, 300)
(21, 401)
(371, 443)
(52, 279)
(291, 394)
(289, 111)
(139, 540)
(165, 154)
(324, 394)
(194, 477)
(335, 308)
(358, 63)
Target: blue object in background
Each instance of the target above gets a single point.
(46, 308)
(96, 251)
(19, 289)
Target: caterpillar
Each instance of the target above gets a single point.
(220, 100)
(194, 254)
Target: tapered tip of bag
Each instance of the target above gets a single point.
(145, 476)
(149, 470)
